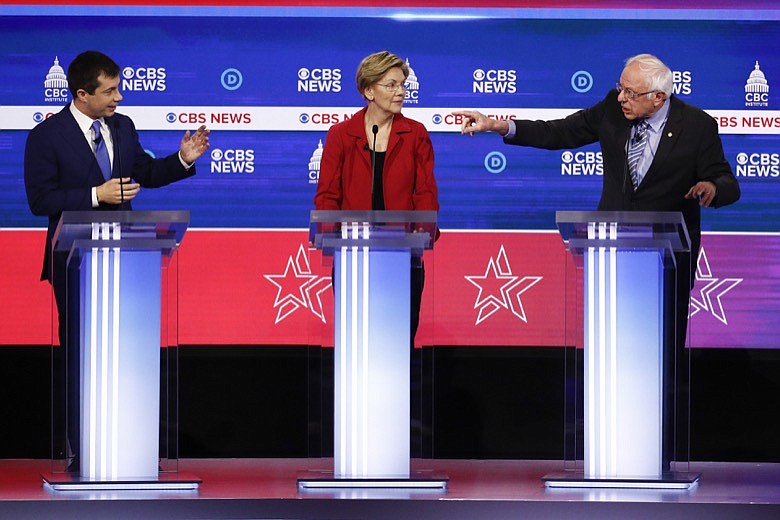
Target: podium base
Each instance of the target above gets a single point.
(164, 481)
(671, 480)
(416, 480)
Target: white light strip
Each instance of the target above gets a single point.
(115, 361)
(364, 385)
(125, 486)
(602, 380)
(613, 441)
(353, 395)
(590, 346)
(357, 483)
(104, 352)
(343, 357)
(93, 342)
(616, 484)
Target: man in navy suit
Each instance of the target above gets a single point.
(62, 173)
(680, 166)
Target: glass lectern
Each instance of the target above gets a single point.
(116, 367)
(626, 261)
(372, 252)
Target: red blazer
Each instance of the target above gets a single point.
(345, 170)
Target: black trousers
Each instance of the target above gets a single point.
(677, 362)
(66, 371)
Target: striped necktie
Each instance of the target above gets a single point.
(635, 149)
(101, 152)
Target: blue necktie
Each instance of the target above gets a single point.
(635, 149)
(101, 152)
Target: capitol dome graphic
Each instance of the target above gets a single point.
(411, 80)
(314, 164)
(56, 77)
(757, 81)
(56, 83)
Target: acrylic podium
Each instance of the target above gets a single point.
(627, 261)
(372, 253)
(119, 256)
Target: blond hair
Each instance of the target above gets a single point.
(376, 65)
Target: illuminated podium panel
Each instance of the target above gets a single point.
(118, 256)
(372, 255)
(627, 261)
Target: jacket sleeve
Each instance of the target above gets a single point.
(713, 166)
(576, 130)
(147, 171)
(426, 195)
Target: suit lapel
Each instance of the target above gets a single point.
(356, 130)
(622, 133)
(400, 126)
(669, 135)
(74, 138)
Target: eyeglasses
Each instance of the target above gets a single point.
(392, 86)
(630, 94)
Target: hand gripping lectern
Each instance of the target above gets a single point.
(119, 257)
(627, 261)
(372, 253)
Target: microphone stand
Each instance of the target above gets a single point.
(118, 157)
(374, 130)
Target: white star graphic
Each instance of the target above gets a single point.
(295, 288)
(500, 289)
(712, 292)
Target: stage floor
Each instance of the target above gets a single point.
(484, 489)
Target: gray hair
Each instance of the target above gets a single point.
(656, 73)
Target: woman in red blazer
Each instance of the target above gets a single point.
(400, 150)
(380, 139)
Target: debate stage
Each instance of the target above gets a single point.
(477, 489)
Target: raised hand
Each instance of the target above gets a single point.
(193, 146)
(474, 122)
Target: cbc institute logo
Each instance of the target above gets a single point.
(757, 89)
(55, 87)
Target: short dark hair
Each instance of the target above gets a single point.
(85, 68)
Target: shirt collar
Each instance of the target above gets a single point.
(657, 120)
(84, 121)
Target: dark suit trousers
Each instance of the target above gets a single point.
(66, 380)
(677, 364)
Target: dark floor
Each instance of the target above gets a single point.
(494, 489)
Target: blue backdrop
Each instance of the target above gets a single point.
(180, 68)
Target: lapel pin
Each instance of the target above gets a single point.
(669, 134)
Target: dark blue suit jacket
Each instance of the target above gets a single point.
(60, 168)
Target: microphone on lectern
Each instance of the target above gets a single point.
(374, 130)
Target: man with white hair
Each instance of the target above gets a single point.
(659, 154)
